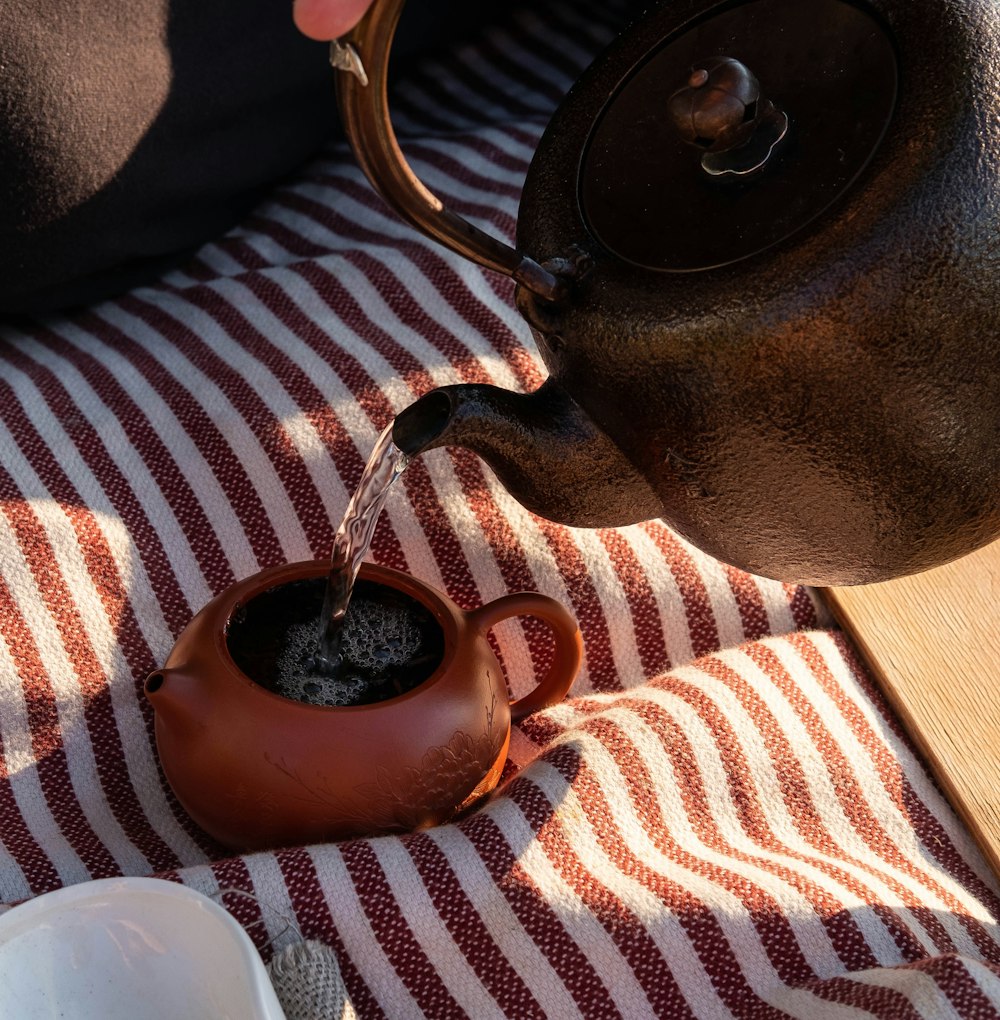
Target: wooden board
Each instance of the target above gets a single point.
(932, 642)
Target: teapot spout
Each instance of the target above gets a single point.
(545, 449)
(174, 697)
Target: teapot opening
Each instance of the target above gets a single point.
(391, 644)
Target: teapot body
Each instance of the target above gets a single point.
(826, 409)
(258, 770)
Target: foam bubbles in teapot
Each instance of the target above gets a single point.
(298, 677)
(378, 639)
(378, 636)
(391, 643)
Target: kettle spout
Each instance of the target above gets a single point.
(545, 449)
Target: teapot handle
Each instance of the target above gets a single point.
(552, 687)
(362, 58)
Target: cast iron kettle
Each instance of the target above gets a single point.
(759, 248)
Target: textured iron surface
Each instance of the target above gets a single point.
(828, 411)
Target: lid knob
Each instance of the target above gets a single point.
(720, 110)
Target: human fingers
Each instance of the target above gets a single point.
(327, 19)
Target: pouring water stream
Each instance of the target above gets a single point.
(352, 542)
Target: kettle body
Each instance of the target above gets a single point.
(797, 368)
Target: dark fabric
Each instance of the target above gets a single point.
(132, 131)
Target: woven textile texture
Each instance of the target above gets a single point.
(724, 819)
(306, 978)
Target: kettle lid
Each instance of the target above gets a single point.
(736, 131)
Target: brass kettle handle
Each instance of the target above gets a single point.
(362, 58)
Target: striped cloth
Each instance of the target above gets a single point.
(724, 820)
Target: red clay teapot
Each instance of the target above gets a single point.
(257, 769)
(759, 248)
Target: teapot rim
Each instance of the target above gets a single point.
(446, 614)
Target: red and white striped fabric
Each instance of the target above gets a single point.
(723, 821)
